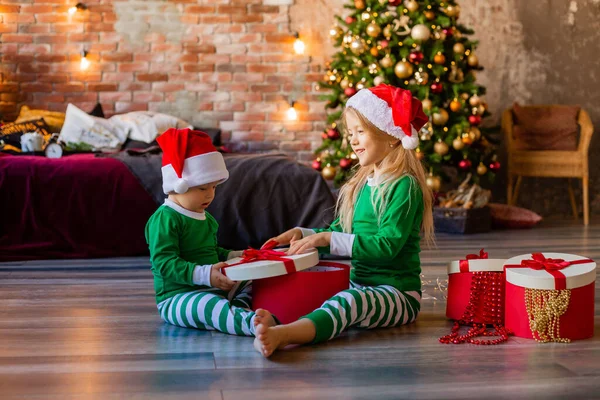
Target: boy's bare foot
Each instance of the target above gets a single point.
(264, 317)
(268, 339)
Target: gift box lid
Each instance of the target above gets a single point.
(550, 271)
(488, 264)
(269, 268)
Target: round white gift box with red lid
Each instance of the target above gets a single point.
(551, 271)
(460, 277)
(290, 286)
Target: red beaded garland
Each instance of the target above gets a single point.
(485, 304)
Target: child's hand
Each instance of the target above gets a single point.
(308, 243)
(286, 237)
(218, 280)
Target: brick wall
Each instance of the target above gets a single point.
(227, 64)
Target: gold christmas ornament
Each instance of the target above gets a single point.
(420, 154)
(433, 182)
(472, 60)
(458, 144)
(456, 75)
(357, 46)
(387, 31)
(386, 61)
(441, 148)
(481, 109)
(441, 117)
(475, 132)
(465, 96)
(336, 32)
(466, 139)
(373, 29)
(430, 15)
(459, 48)
(427, 104)
(411, 5)
(359, 4)
(344, 83)
(481, 169)
(378, 80)
(439, 58)
(421, 77)
(328, 172)
(420, 32)
(474, 100)
(455, 105)
(403, 69)
(452, 11)
(374, 52)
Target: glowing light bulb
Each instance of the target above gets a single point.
(85, 63)
(299, 46)
(292, 114)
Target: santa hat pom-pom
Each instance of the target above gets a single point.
(181, 186)
(410, 142)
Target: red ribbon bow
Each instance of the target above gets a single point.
(464, 264)
(551, 265)
(267, 254)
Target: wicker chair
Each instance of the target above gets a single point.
(556, 164)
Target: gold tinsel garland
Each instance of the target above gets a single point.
(544, 309)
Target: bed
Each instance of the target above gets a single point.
(85, 206)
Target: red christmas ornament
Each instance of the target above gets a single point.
(350, 20)
(350, 91)
(333, 134)
(448, 32)
(316, 165)
(384, 44)
(345, 163)
(395, 2)
(436, 87)
(495, 166)
(416, 57)
(474, 120)
(464, 164)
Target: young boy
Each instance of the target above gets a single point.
(191, 291)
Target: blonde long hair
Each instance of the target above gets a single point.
(398, 163)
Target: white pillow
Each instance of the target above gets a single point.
(99, 133)
(145, 126)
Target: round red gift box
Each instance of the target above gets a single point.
(292, 296)
(578, 321)
(460, 275)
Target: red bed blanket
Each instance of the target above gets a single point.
(78, 206)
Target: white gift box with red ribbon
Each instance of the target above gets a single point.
(551, 271)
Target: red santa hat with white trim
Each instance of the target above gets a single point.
(393, 110)
(189, 159)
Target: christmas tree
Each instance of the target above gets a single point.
(419, 46)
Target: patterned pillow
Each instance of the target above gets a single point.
(545, 128)
(10, 134)
(53, 119)
(98, 133)
(145, 126)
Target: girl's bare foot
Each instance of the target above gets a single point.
(264, 317)
(268, 339)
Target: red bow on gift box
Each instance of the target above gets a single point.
(265, 254)
(464, 264)
(551, 265)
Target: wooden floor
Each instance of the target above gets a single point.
(90, 329)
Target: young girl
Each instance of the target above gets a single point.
(381, 212)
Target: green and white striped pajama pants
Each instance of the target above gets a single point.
(365, 307)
